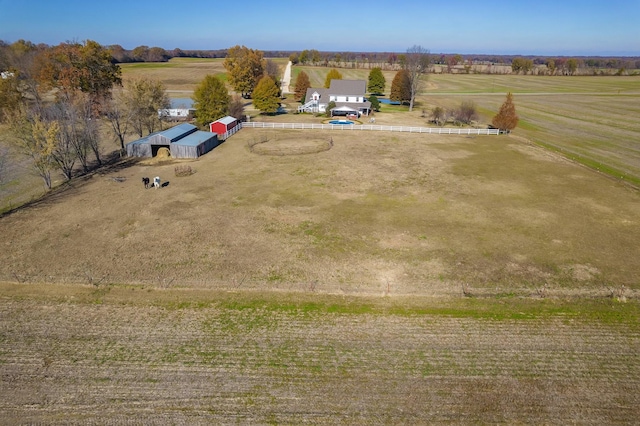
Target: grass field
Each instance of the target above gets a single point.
(180, 75)
(392, 279)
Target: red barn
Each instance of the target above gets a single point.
(224, 125)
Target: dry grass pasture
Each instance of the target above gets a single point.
(378, 212)
(339, 277)
(179, 75)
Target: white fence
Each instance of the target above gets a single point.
(430, 130)
(225, 135)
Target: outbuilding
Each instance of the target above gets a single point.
(182, 141)
(224, 125)
(180, 109)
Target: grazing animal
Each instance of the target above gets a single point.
(156, 182)
(145, 181)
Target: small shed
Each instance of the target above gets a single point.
(223, 125)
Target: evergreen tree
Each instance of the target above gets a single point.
(265, 96)
(211, 100)
(377, 81)
(375, 103)
(330, 106)
(401, 87)
(333, 74)
(506, 119)
(302, 84)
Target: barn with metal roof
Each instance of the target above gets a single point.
(183, 141)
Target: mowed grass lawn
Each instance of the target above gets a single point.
(592, 120)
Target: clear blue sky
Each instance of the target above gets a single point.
(536, 27)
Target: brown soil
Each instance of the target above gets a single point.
(96, 354)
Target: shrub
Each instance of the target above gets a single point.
(183, 170)
(466, 112)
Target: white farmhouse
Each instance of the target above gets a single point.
(348, 95)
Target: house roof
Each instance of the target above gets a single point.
(324, 93)
(348, 87)
(339, 87)
(226, 120)
(181, 103)
(352, 105)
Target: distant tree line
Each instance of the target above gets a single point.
(474, 63)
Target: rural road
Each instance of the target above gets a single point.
(286, 80)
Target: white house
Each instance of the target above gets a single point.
(348, 95)
(180, 109)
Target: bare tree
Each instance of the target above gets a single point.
(416, 63)
(145, 97)
(90, 129)
(466, 112)
(66, 148)
(119, 116)
(236, 107)
(36, 139)
(272, 70)
(71, 143)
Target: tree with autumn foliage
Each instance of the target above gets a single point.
(10, 94)
(36, 138)
(244, 68)
(85, 67)
(333, 74)
(266, 95)
(302, 84)
(506, 119)
(401, 87)
(145, 97)
(211, 100)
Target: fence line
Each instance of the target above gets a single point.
(228, 133)
(429, 130)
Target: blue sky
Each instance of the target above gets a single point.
(536, 27)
